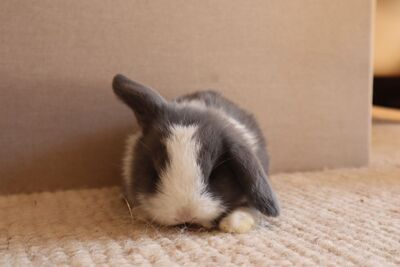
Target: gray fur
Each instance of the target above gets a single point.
(231, 168)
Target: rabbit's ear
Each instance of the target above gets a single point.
(252, 178)
(146, 103)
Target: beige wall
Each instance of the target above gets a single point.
(387, 38)
(303, 67)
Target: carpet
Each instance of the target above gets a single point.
(344, 217)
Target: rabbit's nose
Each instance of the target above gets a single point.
(184, 215)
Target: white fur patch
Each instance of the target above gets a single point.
(128, 157)
(239, 221)
(250, 138)
(182, 195)
(248, 135)
(194, 104)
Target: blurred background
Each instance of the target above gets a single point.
(387, 61)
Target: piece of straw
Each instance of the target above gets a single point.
(129, 208)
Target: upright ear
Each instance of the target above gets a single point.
(253, 179)
(144, 101)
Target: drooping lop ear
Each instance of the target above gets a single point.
(252, 178)
(145, 102)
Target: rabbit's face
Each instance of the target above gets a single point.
(189, 165)
(181, 171)
(180, 191)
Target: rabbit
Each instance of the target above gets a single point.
(198, 159)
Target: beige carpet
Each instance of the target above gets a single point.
(340, 217)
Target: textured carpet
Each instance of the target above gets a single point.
(346, 217)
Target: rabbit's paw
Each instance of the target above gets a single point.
(238, 221)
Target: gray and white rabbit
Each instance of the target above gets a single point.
(199, 159)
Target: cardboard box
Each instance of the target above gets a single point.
(302, 67)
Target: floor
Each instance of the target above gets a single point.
(344, 217)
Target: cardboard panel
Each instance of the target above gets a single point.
(303, 68)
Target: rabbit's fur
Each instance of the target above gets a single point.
(198, 159)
